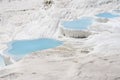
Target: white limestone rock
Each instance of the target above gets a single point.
(102, 20)
(74, 33)
(7, 59)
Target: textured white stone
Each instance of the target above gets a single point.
(74, 33)
(102, 20)
(7, 59)
(94, 58)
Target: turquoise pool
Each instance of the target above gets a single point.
(107, 15)
(22, 47)
(1, 62)
(82, 23)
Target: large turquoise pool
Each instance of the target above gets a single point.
(22, 47)
(107, 15)
(82, 23)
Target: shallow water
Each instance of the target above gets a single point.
(107, 15)
(1, 62)
(82, 23)
(20, 48)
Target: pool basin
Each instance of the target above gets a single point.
(107, 15)
(20, 48)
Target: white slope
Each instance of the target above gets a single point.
(94, 58)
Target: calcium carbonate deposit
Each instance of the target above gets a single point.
(89, 54)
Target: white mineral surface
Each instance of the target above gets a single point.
(94, 58)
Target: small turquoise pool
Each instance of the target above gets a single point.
(107, 15)
(22, 47)
(82, 23)
(1, 62)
